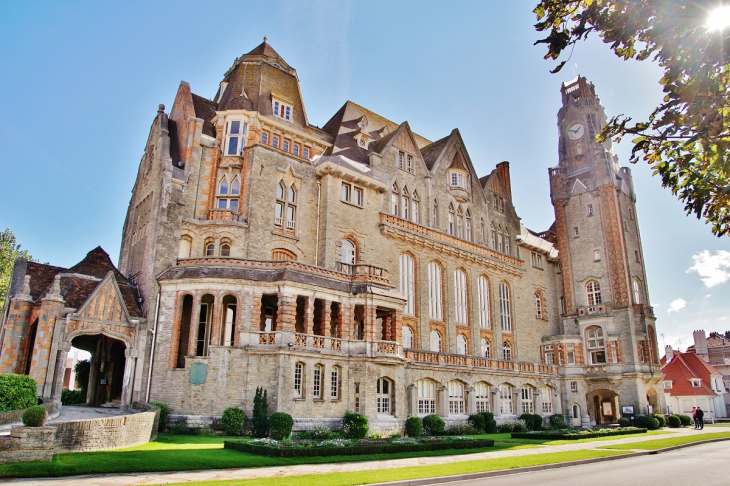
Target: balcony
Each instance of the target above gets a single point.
(361, 271)
(477, 362)
(224, 215)
(322, 344)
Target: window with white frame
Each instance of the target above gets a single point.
(435, 338)
(349, 253)
(461, 345)
(593, 291)
(407, 284)
(493, 237)
(415, 208)
(407, 337)
(317, 382)
(500, 241)
(458, 179)
(505, 312)
(507, 351)
(546, 393)
(209, 249)
(405, 162)
(549, 354)
(305, 153)
(264, 137)
(483, 293)
(637, 291)
(395, 200)
(228, 194)
(426, 397)
(282, 110)
(285, 146)
(459, 222)
(528, 400)
(486, 348)
(456, 397)
(481, 395)
(225, 249)
(596, 345)
(235, 137)
(335, 383)
(467, 225)
(351, 194)
(405, 206)
(460, 303)
(538, 305)
(505, 399)
(275, 141)
(506, 243)
(298, 378)
(696, 382)
(434, 291)
(536, 260)
(296, 149)
(574, 386)
(384, 396)
(570, 351)
(452, 223)
(286, 207)
(668, 384)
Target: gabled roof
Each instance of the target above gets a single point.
(682, 369)
(205, 110)
(431, 152)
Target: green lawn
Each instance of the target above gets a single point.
(417, 472)
(653, 445)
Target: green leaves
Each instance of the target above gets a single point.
(9, 251)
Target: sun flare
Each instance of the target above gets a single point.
(719, 18)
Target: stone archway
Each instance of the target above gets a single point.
(109, 375)
(652, 400)
(603, 406)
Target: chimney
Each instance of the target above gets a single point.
(701, 344)
(668, 353)
(503, 169)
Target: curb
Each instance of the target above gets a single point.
(507, 472)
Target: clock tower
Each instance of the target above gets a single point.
(606, 315)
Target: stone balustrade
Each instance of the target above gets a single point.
(477, 362)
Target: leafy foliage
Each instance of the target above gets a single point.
(624, 422)
(673, 421)
(557, 421)
(685, 420)
(647, 422)
(280, 424)
(232, 421)
(414, 426)
(34, 416)
(490, 425)
(660, 418)
(164, 415)
(477, 421)
(686, 139)
(513, 426)
(17, 392)
(433, 425)
(82, 369)
(260, 412)
(9, 251)
(461, 428)
(533, 421)
(354, 425)
(73, 397)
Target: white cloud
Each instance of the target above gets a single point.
(676, 305)
(713, 269)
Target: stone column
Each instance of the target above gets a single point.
(130, 364)
(387, 327)
(309, 316)
(194, 324)
(370, 312)
(538, 401)
(412, 398)
(471, 401)
(442, 395)
(51, 307)
(16, 331)
(286, 312)
(325, 323)
(397, 326)
(496, 401)
(346, 316)
(62, 354)
(217, 317)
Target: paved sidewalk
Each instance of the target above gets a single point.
(281, 471)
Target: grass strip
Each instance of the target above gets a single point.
(652, 445)
(414, 472)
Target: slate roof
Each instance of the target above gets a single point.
(205, 110)
(41, 278)
(432, 151)
(682, 368)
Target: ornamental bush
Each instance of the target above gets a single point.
(260, 413)
(685, 420)
(512, 426)
(533, 421)
(73, 397)
(355, 425)
(233, 420)
(490, 425)
(661, 419)
(461, 428)
(34, 416)
(673, 421)
(164, 415)
(557, 421)
(624, 422)
(321, 432)
(647, 422)
(17, 392)
(433, 425)
(280, 425)
(414, 426)
(477, 421)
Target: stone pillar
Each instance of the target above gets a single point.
(538, 401)
(387, 327)
(442, 395)
(286, 312)
(397, 326)
(194, 324)
(51, 307)
(471, 401)
(496, 401)
(62, 354)
(370, 312)
(309, 316)
(217, 319)
(412, 397)
(16, 331)
(325, 324)
(346, 316)
(256, 311)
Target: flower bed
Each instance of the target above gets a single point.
(575, 434)
(353, 447)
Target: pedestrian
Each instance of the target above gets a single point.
(700, 418)
(694, 416)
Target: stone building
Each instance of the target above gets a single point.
(360, 266)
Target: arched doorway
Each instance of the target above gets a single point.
(108, 366)
(652, 401)
(603, 407)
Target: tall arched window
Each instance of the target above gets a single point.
(456, 397)
(434, 291)
(235, 187)
(349, 253)
(426, 397)
(546, 394)
(500, 241)
(593, 290)
(299, 380)
(506, 242)
(223, 198)
(486, 348)
(317, 381)
(228, 327)
(481, 394)
(286, 207)
(186, 244)
(505, 399)
(384, 396)
(528, 400)
(395, 200)
(405, 204)
(223, 186)
(596, 345)
(451, 229)
(493, 238)
(407, 284)
(335, 383)
(461, 345)
(505, 311)
(415, 208)
(210, 249)
(507, 351)
(637, 291)
(459, 223)
(435, 341)
(460, 303)
(483, 290)
(407, 337)
(225, 249)
(538, 305)
(467, 226)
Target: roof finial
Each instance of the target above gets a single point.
(266, 40)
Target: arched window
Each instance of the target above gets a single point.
(349, 254)
(493, 240)
(546, 394)
(435, 215)
(528, 400)
(282, 254)
(596, 345)
(384, 396)
(264, 137)
(538, 305)
(405, 204)
(481, 394)
(223, 187)
(576, 411)
(459, 223)
(395, 200)
(507, 351)
(486, 348)
(407, 337)
(456, 397)
(223, 198)
(593, 290)
(228, 327)
(505, 399)
(426, 397)
(415, 208)
(451, 228)
(317, 381)
(407, 283)
(505, 312)
(183, 335)
(435, 341)
(467, 226)
(483, 290)
(506, 242)
(299, 380)
(286, 207)
(205, 316)
(225, 249)
(434, 291)
(461, 345)
(637, 291)
(335, 383)
(500, 241)
(210, 249)
(186, 244)
(483, 230)
(235, 186)
(460, 303)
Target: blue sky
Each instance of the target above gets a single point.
(81, 82)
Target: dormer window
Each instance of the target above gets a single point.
(696, 382)
(405, 162)
(458, 179)
(282, 110)
(498, 203)
(235, 137)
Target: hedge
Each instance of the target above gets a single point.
(164, 415)
(34, 416)
(353, 450)
(17, 392)
(590, 435)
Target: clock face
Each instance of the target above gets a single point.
(575, 131)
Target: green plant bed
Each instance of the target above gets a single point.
(344, 447)
(577, 434)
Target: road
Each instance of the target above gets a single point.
(702, 465)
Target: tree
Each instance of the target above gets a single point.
(9, 251)
(687, 137)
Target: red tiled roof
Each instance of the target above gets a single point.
(682, 369)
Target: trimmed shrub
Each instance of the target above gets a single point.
(260, 413)
(461, 428)
(233, 420)
(624, 422)
(433, 425)
(477, 421)
(661, 419)
(685, 420)
(280, 425)
(321, 432)
(647, 422)
(490, 425)
(533, 421)
(73, 397)
(573, 434)
(17, 392)
(164, 415)
(673, 421)
(512, 426)
(557, 421)
(34, 416)
(414, 426)
(355, 425)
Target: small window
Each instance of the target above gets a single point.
(351, 194)
(296, 149)
(210, 249)
(538, 306)
(576, 234)
(667, 385)
(571, 353)
(298, 375)
(306, 153)
(285, 146)
(593, 290)
(335, 383)
(407, 337)
(384, 398)
(636, 256)
(458, 179)
(536, 260)
(507, 351)
(574, 386)
(264, 137)
(235, 137)
(275, 141)
(596, 255)
(696, 383)
(317, 382)
(435, 338)
(226, 250)
(590, 210)
(282, 110)
(549, 355)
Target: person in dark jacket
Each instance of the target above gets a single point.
(700, 418)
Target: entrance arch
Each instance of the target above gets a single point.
(652, 400)
(109, 377)
(603, 406)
